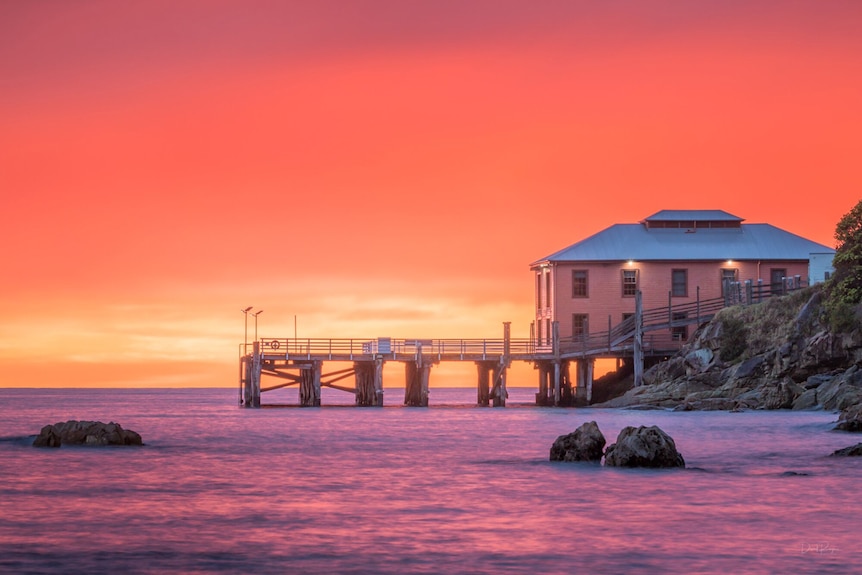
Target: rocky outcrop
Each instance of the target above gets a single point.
(643, 447)
(852, 451)
(783, 357)
(586, 443)
(93, 433)
(850, 419)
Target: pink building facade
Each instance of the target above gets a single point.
(672, 257)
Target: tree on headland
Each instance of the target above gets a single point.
(845, 285)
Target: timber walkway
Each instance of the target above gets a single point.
(647, 333)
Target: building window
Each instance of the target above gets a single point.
(580, 283)
(580, 326)
(630, 283)
(728, 276)
(549, 337)
(679, 333)
(547, 288)
(679, 283)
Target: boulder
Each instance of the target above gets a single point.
(643, 447)
(698, 360)
(48, 437)
(586, 443)
(852, 451)
(808, 400)
(850, 420)
(93, 433)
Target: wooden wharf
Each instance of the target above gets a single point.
(648, 333)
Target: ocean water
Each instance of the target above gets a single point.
(451, 488)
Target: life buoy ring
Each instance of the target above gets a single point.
(273, 344)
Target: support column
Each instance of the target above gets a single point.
(378, 381)
(366, 393)
(499, 392)
(555, 328)
(309, 384)
(483, 394)
(246, 381)
(567, 396)
(639, 340)
(545, 394)
(557, 390)
(417, 377)
(255, 375)
(590, 368)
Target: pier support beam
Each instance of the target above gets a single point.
(555, 384)
(416, 388)
(255, 375)
(245, 399)
(639, 340)
(369, 383)
(584, 389)
(544, 396)
(309, 384)
(484, 368)
(499, 392)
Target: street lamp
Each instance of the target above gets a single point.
(245, 339)
(255, 314)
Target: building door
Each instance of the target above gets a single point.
(776, 280)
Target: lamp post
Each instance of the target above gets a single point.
(245, 338)
(255, 314)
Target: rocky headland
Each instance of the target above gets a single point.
(777, 354)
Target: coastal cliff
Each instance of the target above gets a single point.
(777, 354)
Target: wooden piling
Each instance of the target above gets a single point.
(483, 385)
(417, 376)
(499, 392)
(638, 340)
(545, 395)
(364, 377)
(378, 381)
(309, 384)
(246, 381)
(255, 375)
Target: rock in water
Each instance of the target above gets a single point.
(86, 433)
(48, 437)
(643, 447)
(586, 443)
(851, 419)
(852, 451)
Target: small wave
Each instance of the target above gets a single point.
(17, 440)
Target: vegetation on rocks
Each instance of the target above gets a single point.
(844, 289)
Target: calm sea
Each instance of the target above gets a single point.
(447, 489)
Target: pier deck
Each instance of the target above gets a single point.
(648, 333)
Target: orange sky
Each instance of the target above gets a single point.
(379, 167)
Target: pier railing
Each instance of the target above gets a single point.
(616, 341)
(348, 349)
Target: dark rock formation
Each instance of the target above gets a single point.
(790, 360)
(643, 447)
(850, 419)
(85, 433)
(852, 451)
(586, 443)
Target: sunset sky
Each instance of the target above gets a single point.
(379, 168)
